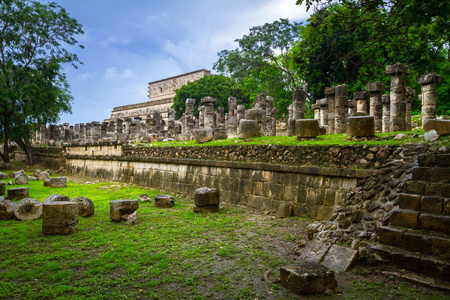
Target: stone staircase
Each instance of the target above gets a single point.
(417, 236)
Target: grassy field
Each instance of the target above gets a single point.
(169, 254)
(414, 137)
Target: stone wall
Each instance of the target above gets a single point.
(311, 191)
(50, 157)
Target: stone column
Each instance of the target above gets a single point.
(386, 113)
(361, 102)
(274, 120)
(352, 107)
(341, 108)
(104, 129)
(232, 117)
(298, 104)
(323, 114)
(188, 125)
(82, 132)
(240, 114)
(208, 103)
(376, 106)
(260, 103)
(429, 84)
(95, 131)
(410, 93)
(291, 121)
(88, 128)
(270, 130)
(201, 116)
(398, 74)
(329, 92)
(220, 118)
(316, 108)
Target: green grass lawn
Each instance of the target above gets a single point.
(413, 136)
(169, 254)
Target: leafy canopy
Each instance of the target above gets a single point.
(216, 86)
(34, 38)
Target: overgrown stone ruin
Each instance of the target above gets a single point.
(389, 112)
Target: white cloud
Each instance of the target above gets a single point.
(85, 76)
(112, 73)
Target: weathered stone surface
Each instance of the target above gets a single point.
(56, 198)
(438, 223)
(306, 128)
(58, 182)
(32, 178)
(314, 251)
(28, 209)
(21, 179)
(205, 196)
(164, 201)
(47, 182)
(360, 126)
(203, 135)
(36, 172)
(340, 259)
(404, 218)
(7, 208)
(18, 193)
(43, 176)
(85, 206)
(248, 129)
(59, 218)
(391, 236)
(442, 127)
(431, 135)
(206, 209)
(130, 218)
(2, 188)
(145, 198)
(3, 176)
(432, 204)
(284, 210)
(415, 242)
(308, 278)
(440, 246)
(409, 201)
(119, 208)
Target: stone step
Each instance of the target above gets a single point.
(414, 219)
(427, 188)
(427, 265)
(431, 160)
(426, 204)
(415, 240)
(433, 174)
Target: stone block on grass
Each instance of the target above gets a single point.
(85, 206)
(28, 209)
(340, 259)
(3, 176)
(248, 129)
(442, 127)
(7, 208)
(206, 200)
(119, 208)
(43, 176)
(145, 198)
(47, 182)
(56, 198)
(306, 128)
(164, 201)
(361, 126)
(18, 193)
(59, 218)
(308, 278)
(21, 179)
(314, 251)
(58, 182)
(203, 135)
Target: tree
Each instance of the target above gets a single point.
(216, 86)
(398, 17)
(333, 50)
(263, 55)
(33, 86)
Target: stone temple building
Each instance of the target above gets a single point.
(160, 97)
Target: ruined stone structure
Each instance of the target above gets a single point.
(429, 84)
(398, 74)
(160, 97)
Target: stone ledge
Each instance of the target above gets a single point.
(333, 172)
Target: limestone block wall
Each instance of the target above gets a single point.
(312, 192)
(50, 157)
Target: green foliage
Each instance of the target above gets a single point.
(33, 87)
(263, 61)
(347, 43)
(216, 86)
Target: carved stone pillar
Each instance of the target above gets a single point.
(398, 74)
(429, 84)
(376, 106)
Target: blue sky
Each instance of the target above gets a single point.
(131, 43)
